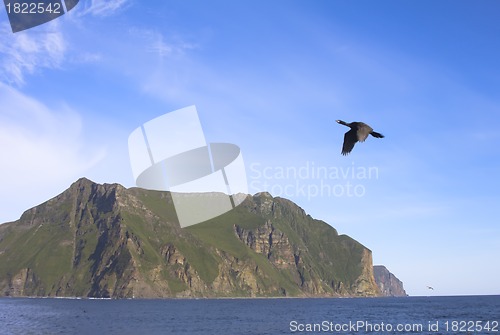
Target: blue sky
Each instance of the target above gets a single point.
(272, 77)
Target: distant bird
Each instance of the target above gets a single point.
(358, 133)
(430, 288)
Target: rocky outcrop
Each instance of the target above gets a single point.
(107, 241)
(296, 259)
(388, 284)
(270, 242)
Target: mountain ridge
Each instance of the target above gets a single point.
(107, 241)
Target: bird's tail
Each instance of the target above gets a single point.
(377, 135)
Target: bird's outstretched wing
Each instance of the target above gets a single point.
(363, 131)
(350, 138)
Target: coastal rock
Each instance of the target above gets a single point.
(388, 284)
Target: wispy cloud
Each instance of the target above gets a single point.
(155, 42)
(87, 58)
(161, 64)
(103, 7)
(27, 52)
(43, 150)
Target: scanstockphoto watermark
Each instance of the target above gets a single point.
(356, 327)
(26, 14)
(311, 180)
(429, 327)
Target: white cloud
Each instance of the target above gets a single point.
(103, 7)
(161, 65)
(42, 151)
(155, 42)
(26, 52)
(87, 58)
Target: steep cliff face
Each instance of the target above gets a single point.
(388, 284)
(107, 241)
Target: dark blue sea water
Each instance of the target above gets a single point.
(414, 315)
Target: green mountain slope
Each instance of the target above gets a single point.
(107, 241)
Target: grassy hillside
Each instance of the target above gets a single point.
(108, 241)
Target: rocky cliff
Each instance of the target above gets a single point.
(388, 284)
(108, 241)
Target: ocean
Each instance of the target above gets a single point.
(411, 315)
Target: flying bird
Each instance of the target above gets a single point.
(358, 133)
(430, 288)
